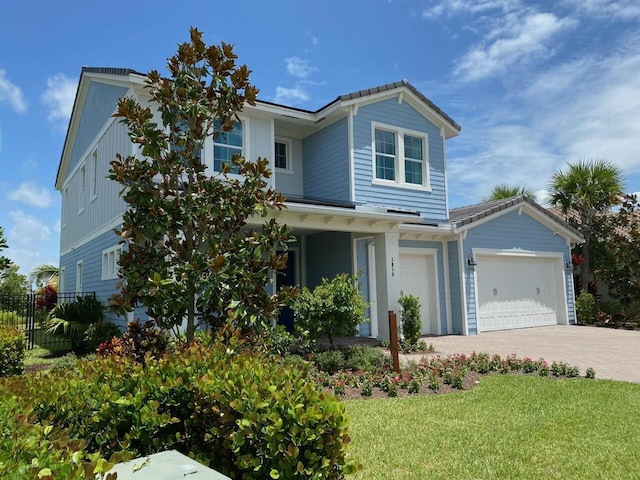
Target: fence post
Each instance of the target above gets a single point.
(393, 340)
(31, 319)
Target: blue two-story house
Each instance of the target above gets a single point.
(365, 178)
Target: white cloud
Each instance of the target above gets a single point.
(27, 231)
(457, 7)
(620, 9)
(290, 95)
(59, 97)
(31, 194)
(12, 94)
(298, 67)
(518, 39)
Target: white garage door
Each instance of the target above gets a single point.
(417, 278)
(515, 292)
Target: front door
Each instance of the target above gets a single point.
(287, 277)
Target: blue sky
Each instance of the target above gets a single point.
(534, 84)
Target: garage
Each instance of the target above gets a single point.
(517, 291)
(418, 278)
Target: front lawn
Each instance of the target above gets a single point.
(509, 426)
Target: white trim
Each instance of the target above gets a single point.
(447, 286)
(82, 189)
(65, 206)
(93, 190)
(516, 253)
(428, 252)
(373, 289)
(399, 159)
(114, 223)
(209, 147)
(352, 155)
(288, 142)
(463, 289)
(109, 262)
(444, 167)
(61, 279)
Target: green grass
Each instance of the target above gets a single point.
(39, 355)
(508, 427)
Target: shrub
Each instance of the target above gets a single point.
(137, 342)
(10, 317)
(362, 357)
(586, 308)
(100, 332)
(12, 345)
(334, 308)
(235, 410)
(330, 361)
(411, 321)
(71, 320)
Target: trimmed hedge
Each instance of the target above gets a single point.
(237, 411)
(12, 345)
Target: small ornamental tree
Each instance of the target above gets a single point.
(411, 321)
(189, 255)
(334, 308)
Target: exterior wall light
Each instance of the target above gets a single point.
(471, 262)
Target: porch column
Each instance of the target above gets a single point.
(387, 280)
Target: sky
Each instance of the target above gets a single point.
(535, 85)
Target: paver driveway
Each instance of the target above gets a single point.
(614, 354)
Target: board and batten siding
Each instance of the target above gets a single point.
(442, 321)
(514, 231)
(326, 163)
(455, 289)
(327, 254)
(100, 104)
(291, 182)
(432, 204)
(82, 213)
(90, 254)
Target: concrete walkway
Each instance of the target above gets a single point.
(613, 354)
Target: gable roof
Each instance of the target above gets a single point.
(469, 215)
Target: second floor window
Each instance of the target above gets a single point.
(110, 259)
(400, 157)
(226, 145)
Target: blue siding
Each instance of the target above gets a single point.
(91, 256)
(454, 289)
(432, 205)
(328, 254)
(101, 102)
(440, 266)
(362, 266)
(514, 231)
(326, 163)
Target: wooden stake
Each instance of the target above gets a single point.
(393, 340)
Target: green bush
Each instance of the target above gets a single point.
(12, 345)
(362, 357)
(411, 321)
(10, 317)
(334, 308)
(98, 333)
(586, 308)
(236, 410)
(330, 361)
(71, 319)
(137, 342)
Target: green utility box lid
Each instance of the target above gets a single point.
(169, 465)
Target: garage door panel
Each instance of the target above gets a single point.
(515, 292)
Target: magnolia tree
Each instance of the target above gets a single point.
(190, 256)
(4, 261)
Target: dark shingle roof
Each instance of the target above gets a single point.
(111, 71)
(472, 213)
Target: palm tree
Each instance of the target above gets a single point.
(502, 191)
(45, 274)
(588, 188)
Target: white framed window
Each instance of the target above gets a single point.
(83, 187)
(227, 144)
(94, 175)
(79, 273)
(282, 155)
(110, 266)
(400, 157)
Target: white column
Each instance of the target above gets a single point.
(387, 279)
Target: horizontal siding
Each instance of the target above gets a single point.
(440, 266)
(455, 289)
(107, 204)
(518, 232)
(328, 254)
(431, 205)
(291, 183)
(326, 163)
(99, 105)
(362, 267)
(91, 256)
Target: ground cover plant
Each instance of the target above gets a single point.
(506, 427)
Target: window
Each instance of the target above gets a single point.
(110, 259)
(79, 276)
(94, 175)
(226, 144)
(400, 157)
(282, 154)
(83, 187)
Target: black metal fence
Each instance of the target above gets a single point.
(30, 313)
